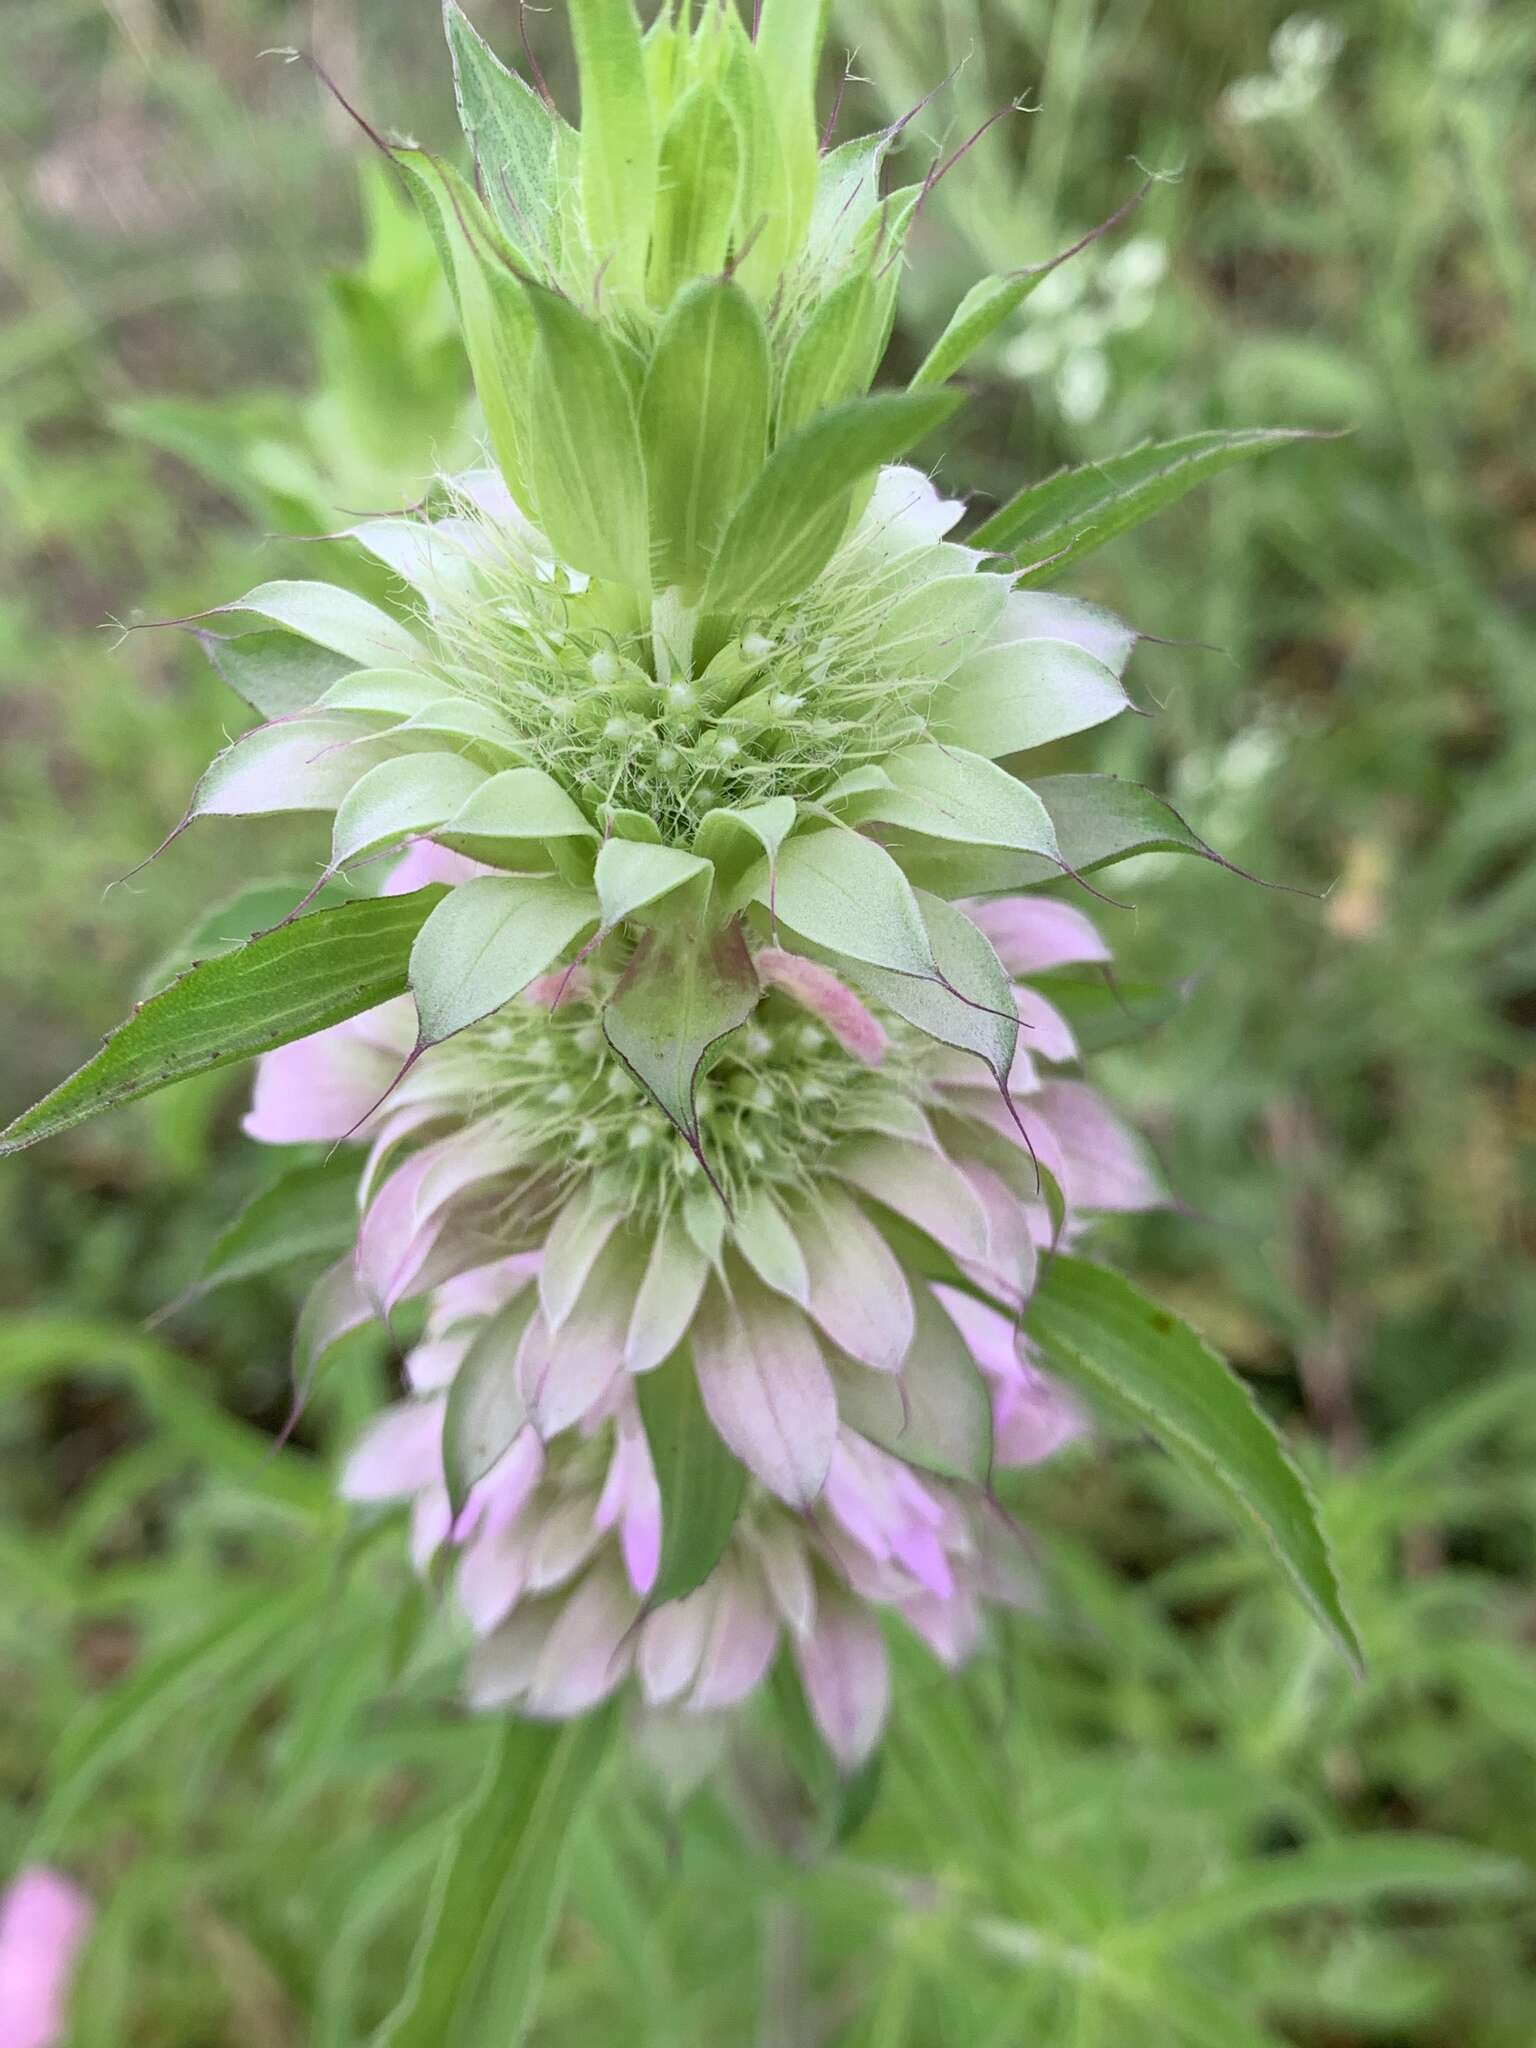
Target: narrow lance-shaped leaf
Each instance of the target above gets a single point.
(703, 423)
(1078, 510)
(477, 1971)
(681, 996)
(1100, 1335)
(301, 978)
(701, 1483)
(307, 1214)
(788, 526)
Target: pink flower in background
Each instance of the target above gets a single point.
(43, 1921)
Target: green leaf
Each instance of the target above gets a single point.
(1078, 510)
(791, 521)
(618, 146)
(704, 424)
(499, 333)
(256, 908)
(1100, 1335)
(698, 193)
(778, 171)
(486, 941)
(275, 673)
(681, 996)
(514, 135)
(476, 1976)
(587, 465)
(701, 1483)
(284, 985)
(333, 619)
(486, 1412)
(731, 840)
(936, 1412)
(309, 1213)
(401, 800)
(841, 891)
(1359, 1870)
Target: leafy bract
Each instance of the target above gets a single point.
(618, 145)
(333, 619)
(308, 1213)
(514, 135)
(1101, 1336)
(275, 672)
(1070, 514)
(701, 1483)
(970, 1005)
(841, 891)
(788, 526)
(699, 191)
(704, 423)
(682, 994)
(584, 440)
(486, 941)
(286, 984)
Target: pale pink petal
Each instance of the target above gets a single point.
(406, 1217)
(588, 1652)
(500, 1498)
(1046, 615)
(492, 1577)
(1105, 1162)
(399, 1453)
(907, 512)
(1047, 1032)
(501, 1667)
(1032, 1417)
(427, 863)
(847, 1678)
(553, 991)
(566, 1536)
(950, 1627)
(854, 1027)
(43, 1921)
(786, 1568)
(672, 1643)
(858, 1293)
(1014, 1259)
(431, 1525)
(319, 1089)
(631, 1499)
(565, 1373)
(921, 1184)
(766, 1387)
(572, 1248)
(295, 764)
(742, 1640)
(667, 1299)
(1032, 934)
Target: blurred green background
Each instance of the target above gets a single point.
(1159, 1812)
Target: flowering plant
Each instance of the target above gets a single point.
(711, 1116)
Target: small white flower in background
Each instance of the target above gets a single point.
(1302, 55)
(1073, 317)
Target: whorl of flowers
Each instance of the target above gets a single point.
(586, 1288)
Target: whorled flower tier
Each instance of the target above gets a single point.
(569, 1245)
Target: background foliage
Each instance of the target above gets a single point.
(1162, 1807)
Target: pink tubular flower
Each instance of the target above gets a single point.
(567, 1242)
(43, 1921)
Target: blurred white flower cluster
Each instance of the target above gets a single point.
(1073, 316)
(1302, 54)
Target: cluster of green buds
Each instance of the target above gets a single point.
(691, 1038)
